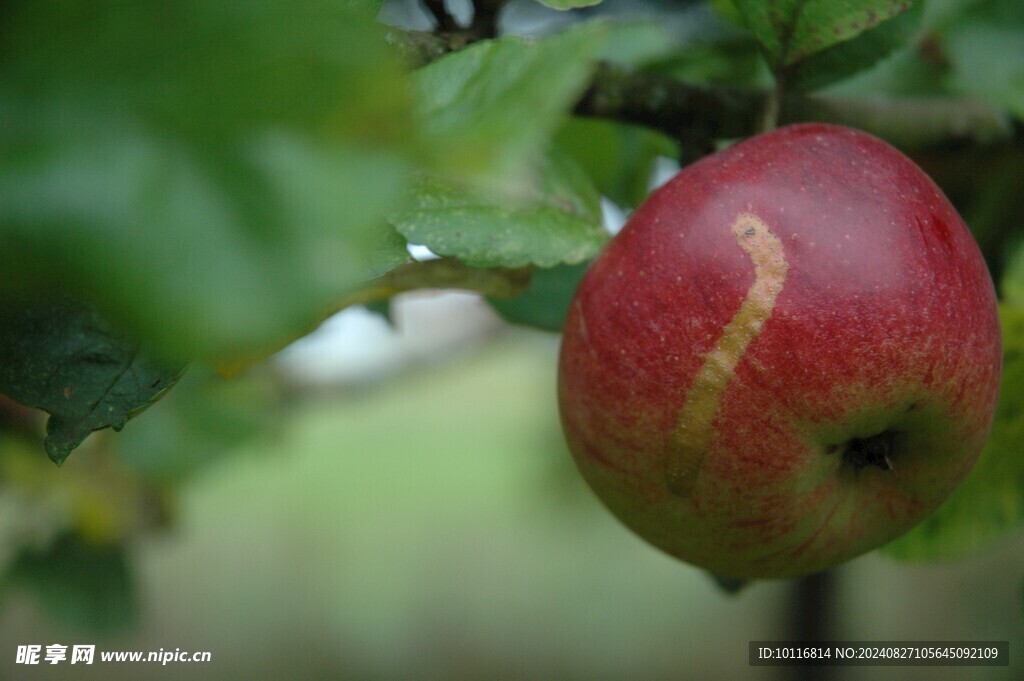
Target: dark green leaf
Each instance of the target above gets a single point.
(493, 106)
(860, 53)
(791, 30)
(990, 502)
(559, 221)
(545, 303)
(63, 358)
(86, 585)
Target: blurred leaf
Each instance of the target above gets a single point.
(727, 10)
(569, 4)
(89, 586)
(63, 358)
(990, 502)
(985, 46)
(545, 303)
(382, 308)
(791, 30)
(493, 106)
(368, 7)
(214, 174)
(1013, 278)
(635, 43)
(619, 158)
(205, 418)
(858, 54)
(729, 59)
(212, 69)
(559, 221)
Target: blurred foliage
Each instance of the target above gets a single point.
(202, 182)
(89, 586)
(209, 175)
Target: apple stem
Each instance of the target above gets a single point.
(773, 104)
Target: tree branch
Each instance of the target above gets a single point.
(442, 18)
(447, 273)
(485, 17)
(695, 114)
(442, 273)
(681, 109)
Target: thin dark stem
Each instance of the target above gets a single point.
(444, 20)
(485, 18)
(780, 71)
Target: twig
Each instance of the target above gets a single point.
(448, 273)
(688, 112)
(442, 18)
(485, 18)
(679, 109)
(443, 273)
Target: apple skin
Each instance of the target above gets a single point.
(871, 318)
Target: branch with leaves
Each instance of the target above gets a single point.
(687, 112)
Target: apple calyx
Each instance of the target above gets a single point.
(876, 450)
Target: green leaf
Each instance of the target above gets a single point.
(727, 11)
(985, 46)
(545, 304)
(569, 4)
(63, 358)
(559, 221)
(723, 60)
(493, 106)
(619, 158)
(214, 180)
(858, 54)
(791, 30)
(636, 42)
(88, 586)
(990, 502)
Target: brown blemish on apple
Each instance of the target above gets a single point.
(694, 425)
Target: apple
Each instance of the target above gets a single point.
(789, 356)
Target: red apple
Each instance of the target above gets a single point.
(788, 357)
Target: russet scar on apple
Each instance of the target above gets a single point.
(693, 427)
